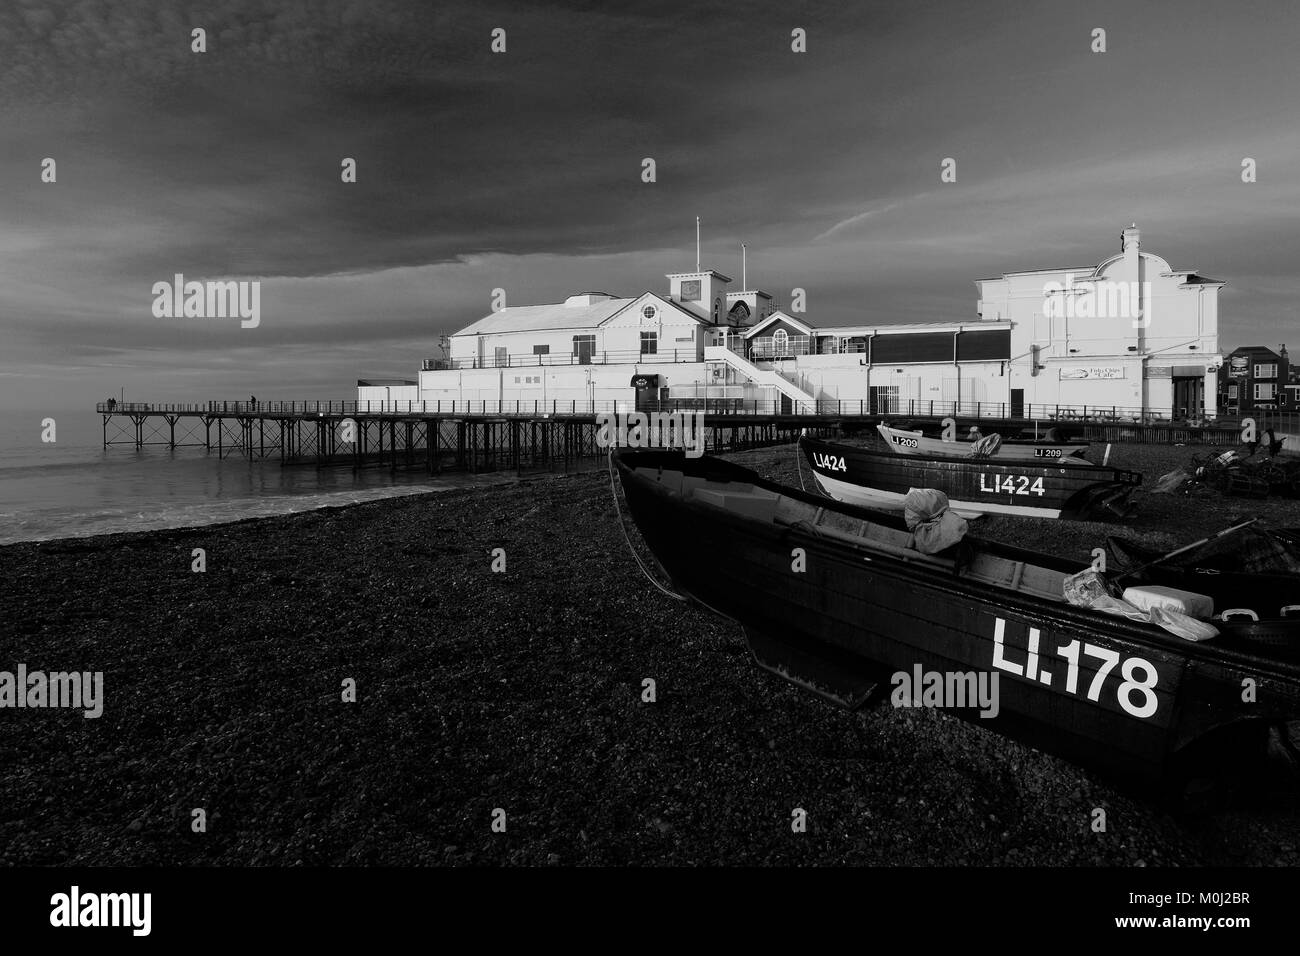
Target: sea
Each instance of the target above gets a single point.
(75, 487)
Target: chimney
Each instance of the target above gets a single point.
(1131, 240)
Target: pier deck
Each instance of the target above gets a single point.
(478, 435)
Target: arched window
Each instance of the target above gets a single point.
(780, 342)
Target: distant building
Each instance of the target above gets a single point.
(1255, 378)
(391, 392)
(1130, 334)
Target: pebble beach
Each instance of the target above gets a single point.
(522, 691)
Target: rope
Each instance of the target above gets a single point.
(798, 462)
(618, 510)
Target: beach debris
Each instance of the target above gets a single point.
(1239, 473)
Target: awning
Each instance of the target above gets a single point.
(645, 381)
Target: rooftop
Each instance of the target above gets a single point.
(536, 318)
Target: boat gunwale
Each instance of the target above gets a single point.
(1078, 444)
(1147, 635)
(1083, 469)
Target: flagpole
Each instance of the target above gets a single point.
(697, 243)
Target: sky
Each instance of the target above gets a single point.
(522, 170)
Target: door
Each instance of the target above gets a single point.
(1017, 403)
(584, 347)
(1189, 397)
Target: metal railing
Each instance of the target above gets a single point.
(765, 349)
(1287, 422)
(663, 356)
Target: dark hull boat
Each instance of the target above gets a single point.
(974, 486)
(1260, 606)
(1125, 697)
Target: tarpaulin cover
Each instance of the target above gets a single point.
(1174, 622)
(933, 525)
(1092, 589)
(986, 446)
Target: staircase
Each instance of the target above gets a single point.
(803, 402)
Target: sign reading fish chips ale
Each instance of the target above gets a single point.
(1092, 371)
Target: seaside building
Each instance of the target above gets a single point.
(387, 392)
(1130, 335)
(1255, 377)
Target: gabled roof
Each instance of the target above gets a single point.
(1256, 350)
(559, 317)
(536, 318)
(785, 317)
(674, 305)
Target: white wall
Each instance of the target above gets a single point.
(552, 386)
(387, 397)
(618, 339)
(1181, 328)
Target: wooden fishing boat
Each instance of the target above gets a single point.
(974, 486)
(835, 598)
(915, 442)
(1258, 606)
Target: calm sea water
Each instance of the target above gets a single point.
(74, 487)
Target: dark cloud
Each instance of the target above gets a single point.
(522, 170)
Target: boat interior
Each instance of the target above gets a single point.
(962, 446)
(881, 534)
(1009, 436)
(1038, 575)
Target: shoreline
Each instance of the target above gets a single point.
(478, 690)
(292, 504)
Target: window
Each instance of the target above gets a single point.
(1266, 371)
(884, 399)
(1232, 391)
(502, 357)
(1265, 393)
(780, 342)
(541, 350)
(650, 311)
(649, 343)
(584, 347)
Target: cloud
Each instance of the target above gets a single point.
(523, 170)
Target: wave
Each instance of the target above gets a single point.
(51, 523)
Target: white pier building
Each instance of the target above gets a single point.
(1129, 336)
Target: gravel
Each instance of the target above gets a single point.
(519, 691)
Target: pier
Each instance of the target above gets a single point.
(482, 435)
(473, 436)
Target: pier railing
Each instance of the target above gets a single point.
(661, 356)
(534, 408)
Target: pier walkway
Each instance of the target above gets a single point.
(488, 434)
